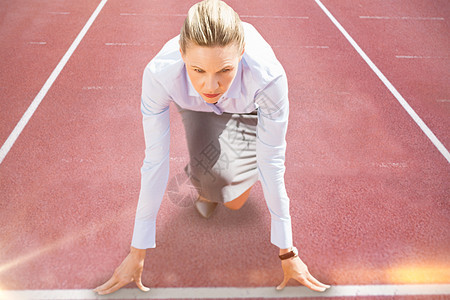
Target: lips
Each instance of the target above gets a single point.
(211, 95)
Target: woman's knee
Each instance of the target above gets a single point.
(239, 201)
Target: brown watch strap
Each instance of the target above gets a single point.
(292, 253)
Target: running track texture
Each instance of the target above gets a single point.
(367, 159)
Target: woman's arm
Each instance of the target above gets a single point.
(273, 116)
(154, 177)
(154, 174)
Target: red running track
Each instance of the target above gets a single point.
(369, 192)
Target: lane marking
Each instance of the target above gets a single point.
(37, 43)
(59, 12)
(97, 87)
(153, 15)
(418, 57)
(443, 100)
(275, 17)
(47, 85)
(390, 164)
(230, 293)
(388, 84)
(131, 14)
(403, 18)
(301, 47)
(243, 16)
(122, 44)
(314, 47)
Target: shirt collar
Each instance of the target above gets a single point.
(191, 91)
(233, 92)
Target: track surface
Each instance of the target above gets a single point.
(369, 191)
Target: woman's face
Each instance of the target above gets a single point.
(211, 69)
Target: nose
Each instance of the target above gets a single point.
(211, 84)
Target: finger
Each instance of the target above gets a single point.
(304, 280)
(112, 289)
(317, 282)
(283, 284)
(112, 281)
(140, 285)
(102, 291)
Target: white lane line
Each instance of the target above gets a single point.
(122, 44)
(47, 85)
(300, 47)
(243, 16)
(390, 165)
(443, 100)
(232, 293)
(153, 15)
(314, 47)
(275, 17)
(418, 57)
(97, 87)
(388, 84)
(403, 18)
(37, 43)
(59, 12)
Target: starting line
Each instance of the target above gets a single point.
(228, 292)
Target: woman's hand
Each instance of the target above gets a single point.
(129, 270)
(296, 269)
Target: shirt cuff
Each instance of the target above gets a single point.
(281, 233)
(144, 234)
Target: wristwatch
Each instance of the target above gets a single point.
(292, 253)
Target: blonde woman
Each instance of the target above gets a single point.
(232, 94)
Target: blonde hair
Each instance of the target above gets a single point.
(212, 23)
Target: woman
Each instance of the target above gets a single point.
(232, 95)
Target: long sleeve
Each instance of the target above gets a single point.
(273, 116)
(155, 169)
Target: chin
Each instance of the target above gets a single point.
(211, 100)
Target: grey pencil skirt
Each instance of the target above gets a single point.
(222, 153)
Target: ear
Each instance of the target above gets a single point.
(243, 50)
(181, 51)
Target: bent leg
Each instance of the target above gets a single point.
(239, 201)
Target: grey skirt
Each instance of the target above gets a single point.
(222, 153)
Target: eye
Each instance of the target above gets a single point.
(226, 70)
(198, 70)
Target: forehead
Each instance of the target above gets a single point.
(202, 55)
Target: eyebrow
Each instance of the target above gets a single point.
(224, 67)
